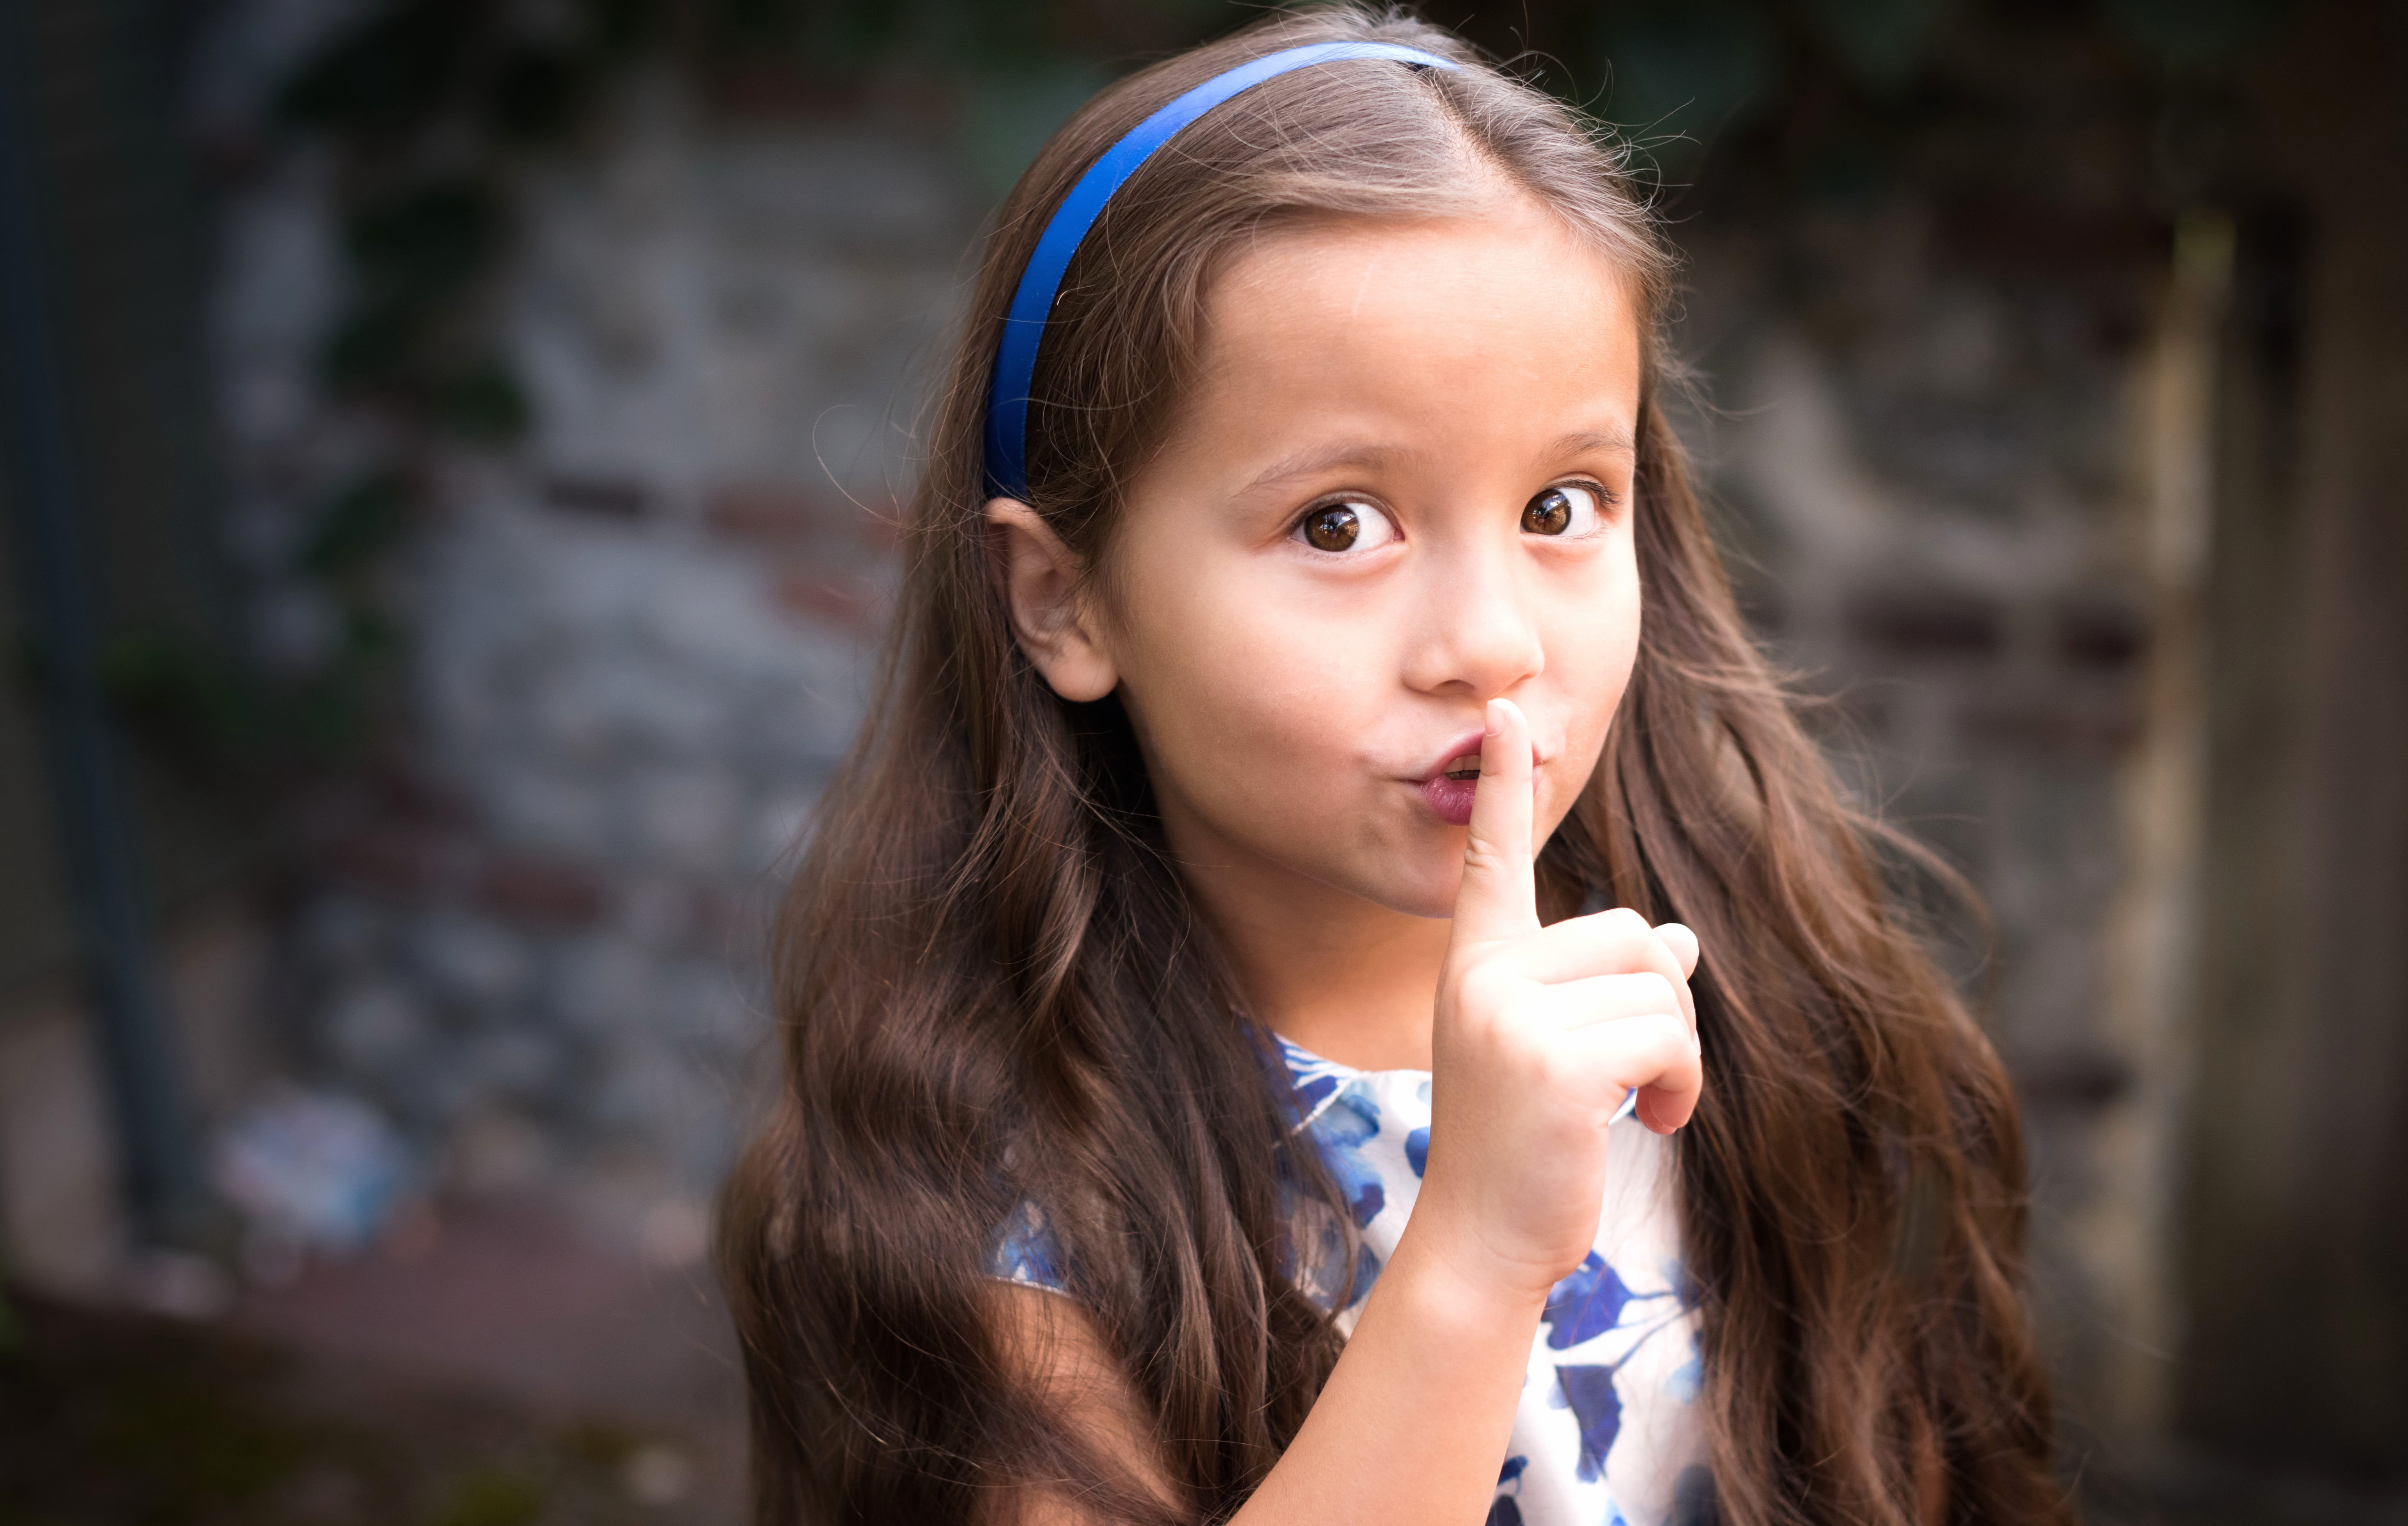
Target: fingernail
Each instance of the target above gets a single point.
(1488, 718)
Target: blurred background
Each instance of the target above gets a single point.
(448, 453)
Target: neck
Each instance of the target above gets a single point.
(1347, 978)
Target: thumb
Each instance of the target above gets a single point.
(1499, 897)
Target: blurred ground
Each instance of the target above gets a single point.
(489, 1368)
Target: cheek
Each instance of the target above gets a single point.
(1592, 650)
(1230, 687)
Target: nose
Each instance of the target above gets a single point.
(1480, 636)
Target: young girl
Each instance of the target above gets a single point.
(1218, 990)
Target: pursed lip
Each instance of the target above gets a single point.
(1467, 745)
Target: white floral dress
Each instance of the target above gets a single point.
(1606, 1433)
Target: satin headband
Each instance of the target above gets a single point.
(1024, 327)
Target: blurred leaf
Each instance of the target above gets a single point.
(745, 24)
(483, 405)
(391, 74)
(180, 697)
(2195, 34)
(1880, 42)
(429, 241)
(177, 1434)
(1012, 114)
(375, 347)
(329, 722)
(538, 92)
(370, 635)
(1846, 169)
(358, 525)
(617, 28)
(419, 256)
(1686, 69)
(491, 1498)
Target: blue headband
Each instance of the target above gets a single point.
(1024, 327)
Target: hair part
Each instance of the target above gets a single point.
(990, 984)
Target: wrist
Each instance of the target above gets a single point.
(1455, 1287)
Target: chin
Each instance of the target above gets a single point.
(1417, 889)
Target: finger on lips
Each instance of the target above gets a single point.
(1611, 985)
(1499, 895)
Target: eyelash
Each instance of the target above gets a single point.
(1607, 501)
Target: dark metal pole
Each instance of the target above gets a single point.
(137, 1052)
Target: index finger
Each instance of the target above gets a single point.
(1499, 897)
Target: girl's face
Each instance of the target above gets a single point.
(1402, 487)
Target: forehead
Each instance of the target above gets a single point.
(1506, 320)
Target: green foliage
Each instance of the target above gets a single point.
(2196, 35)
(420, 257)
(387, 75)
(181, 1435)
(1678, 74)
(482, 402)
(1880, 41)
(490, 1497)
(111, 1418)
(358, 525)
(429, 242)
(538, 94)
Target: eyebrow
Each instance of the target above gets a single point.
(1591, 439)
(1318, 459)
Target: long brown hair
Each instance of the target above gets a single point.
(991, 985)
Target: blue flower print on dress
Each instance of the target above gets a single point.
(1028, 1252)
(1505, 1510)
(1341, 1130)
(1589, 1303)
(1684, 1381)
(1313, 1091)
(1585, 1304)
(1418, 1151)
(1589, 1391)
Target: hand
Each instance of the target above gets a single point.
(1539, 1035)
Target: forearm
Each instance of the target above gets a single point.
(1412, 1425)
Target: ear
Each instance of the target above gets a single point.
(1041, 580)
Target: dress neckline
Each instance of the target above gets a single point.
(1302, 1061)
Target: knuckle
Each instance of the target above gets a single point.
(1479, 985)
(1482, 856)
(1623, 922)
(1548, 1070)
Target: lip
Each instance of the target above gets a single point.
(1450, 800)
(1466, 745)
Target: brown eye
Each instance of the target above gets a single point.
(1351, 528)
(1549, 513)
(1334, 528)
(1566, 509)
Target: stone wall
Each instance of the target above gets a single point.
(533, 934)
